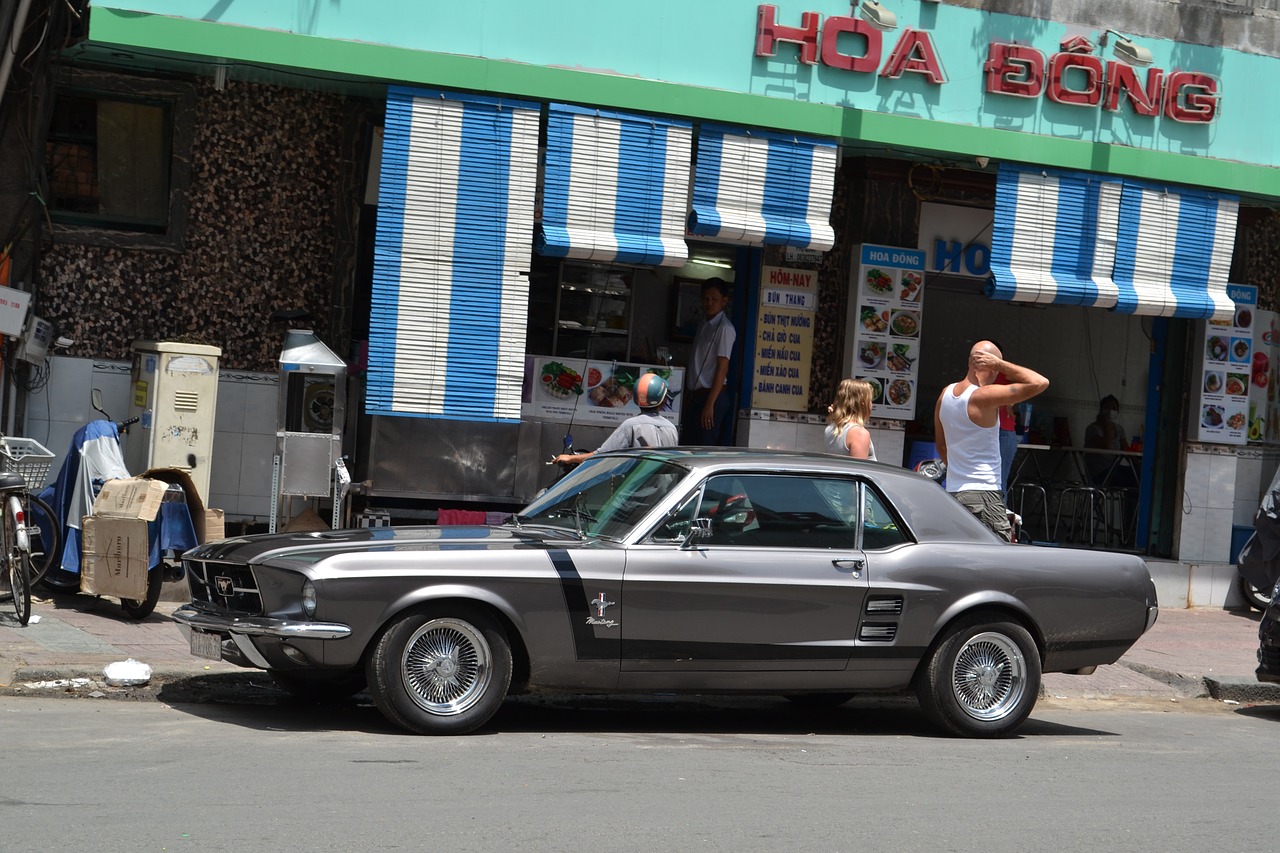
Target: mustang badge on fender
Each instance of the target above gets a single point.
(599, 603)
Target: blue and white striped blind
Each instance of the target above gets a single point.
(455, 227)
(1075, 238)
(616, 187)
(759, 188)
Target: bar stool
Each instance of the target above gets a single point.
(1019, 491)
(1122, 505)
(1087, 507)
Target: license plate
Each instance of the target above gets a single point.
(206, 645)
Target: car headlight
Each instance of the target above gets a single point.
(309, 598)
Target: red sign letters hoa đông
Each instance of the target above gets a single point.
(1074, 76)
(1079, 78)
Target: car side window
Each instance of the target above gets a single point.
(880, 527)
(781, 511)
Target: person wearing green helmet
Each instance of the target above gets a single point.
(647, 429)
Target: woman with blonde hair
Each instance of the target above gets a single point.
(847, 417)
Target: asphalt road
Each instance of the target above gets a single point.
(630, 775)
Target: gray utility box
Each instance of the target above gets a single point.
(310, 418)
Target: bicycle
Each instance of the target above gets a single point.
(27, 551)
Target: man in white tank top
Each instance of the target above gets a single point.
(966, 425)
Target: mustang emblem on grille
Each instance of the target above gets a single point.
(225, 585)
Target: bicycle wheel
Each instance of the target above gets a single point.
(19, 563)
(46, 547)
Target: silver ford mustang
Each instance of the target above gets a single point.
(691, 570)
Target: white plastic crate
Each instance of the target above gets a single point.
(27, 457)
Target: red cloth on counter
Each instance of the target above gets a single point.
(461, 516)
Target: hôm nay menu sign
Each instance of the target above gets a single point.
(784, 339)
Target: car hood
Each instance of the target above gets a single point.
(313, 546)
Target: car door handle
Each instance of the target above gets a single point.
(850, 563)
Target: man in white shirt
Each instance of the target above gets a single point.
(707, 399)
(966, 425)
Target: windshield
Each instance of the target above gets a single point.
(606, 496)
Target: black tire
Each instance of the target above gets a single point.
(442, 669)
(46, 547)
(818, 701)
(982, 678)
(140, 609)
(60, 583)
(320, 688)
(1256, 598)
(17, 567)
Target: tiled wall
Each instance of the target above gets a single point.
(1208, 505)
(245, 426)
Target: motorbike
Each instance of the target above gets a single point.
(94, 456)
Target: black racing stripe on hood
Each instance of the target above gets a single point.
(587, 646)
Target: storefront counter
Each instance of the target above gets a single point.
(804, 431)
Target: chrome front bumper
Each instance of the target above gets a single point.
(240, 629)
(259, 626)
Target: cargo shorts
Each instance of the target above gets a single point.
(988, 506)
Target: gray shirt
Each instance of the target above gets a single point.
(647, 429)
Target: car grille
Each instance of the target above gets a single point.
(227, 586)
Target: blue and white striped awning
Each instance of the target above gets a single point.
(455, 227)
(1075, 238)
(616, 187)
(1173, 251)
(757, 188)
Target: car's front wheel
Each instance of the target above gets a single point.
(982, 678)
(443, 669)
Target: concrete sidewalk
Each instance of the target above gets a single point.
(1199, 652)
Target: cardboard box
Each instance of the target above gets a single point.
(115, 554)
(114, 557)
(136, 497)
(210, 524)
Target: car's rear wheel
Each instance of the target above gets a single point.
(1256, 598)
(982, 678)
(443, 669)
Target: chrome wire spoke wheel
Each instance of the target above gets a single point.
(446, 666)
(989, 677)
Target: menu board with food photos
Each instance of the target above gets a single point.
(592, 392)
(1264, 377)
(885, 307)
(1222, 414)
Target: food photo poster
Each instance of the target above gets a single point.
(886, 307)
(1227, 373)
(593, 391)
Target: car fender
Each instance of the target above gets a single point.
(989, 600)
(452, 591)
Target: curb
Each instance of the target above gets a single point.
(1246, 691)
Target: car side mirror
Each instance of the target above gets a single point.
(699, 528)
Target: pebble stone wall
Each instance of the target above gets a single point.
(260, 236)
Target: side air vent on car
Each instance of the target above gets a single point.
(884, 604)
(877, 632)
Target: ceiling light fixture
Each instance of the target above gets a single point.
(877, 16)
(712, 262)
(1127, 50)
